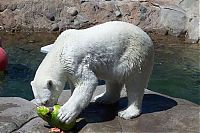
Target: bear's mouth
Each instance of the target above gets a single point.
(35, 101)
(50, 110)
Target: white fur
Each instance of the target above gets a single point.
(117, 52)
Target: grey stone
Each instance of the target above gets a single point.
(50, 16)
(62, 26)
(190, 6)
(34, 126)
(55, 27)
(173, 19)
(2, 7)
(20, 5)
(1, 28)
(160, 113)
(170, 16)
(143, 9)
(80, 19)
(118, 13)
(73, 11)
(14, 112)
(193, 30)
(82, 1)
(192, 10)
(7, 127)
(12, 6)
(103, 127)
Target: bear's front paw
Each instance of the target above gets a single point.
(67, 114)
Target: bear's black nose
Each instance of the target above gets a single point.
(44, 102)
(47, 103)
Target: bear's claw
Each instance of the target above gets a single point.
(68, 114)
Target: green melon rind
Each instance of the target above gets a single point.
(52, 118)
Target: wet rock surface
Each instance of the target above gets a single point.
(160, 113)
(174, 17)
(15, 112)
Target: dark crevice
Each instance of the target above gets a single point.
(153, 4)
(172, 9)
(16, 126)
(120, 124)
(180, 2)
(19, 127)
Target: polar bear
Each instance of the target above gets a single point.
(118, 52)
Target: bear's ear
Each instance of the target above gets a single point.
(31, 83)
(49, 84)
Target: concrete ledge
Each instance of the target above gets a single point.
(160, 113)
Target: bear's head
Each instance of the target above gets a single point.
(46, 92)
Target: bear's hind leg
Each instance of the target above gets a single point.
(111, 95)
(135, 86)
(135, 94)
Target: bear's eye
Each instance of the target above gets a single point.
(49, 84)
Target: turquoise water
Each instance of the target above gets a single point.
(24, 58)
(176, 70)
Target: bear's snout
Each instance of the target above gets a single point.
(48, 103)
(44, 102)
(39, 102)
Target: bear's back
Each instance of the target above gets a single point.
(109, 49)
(113, 36)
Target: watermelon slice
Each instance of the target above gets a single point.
(51, 116)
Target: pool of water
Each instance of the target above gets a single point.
(24, 57)
(176, 70)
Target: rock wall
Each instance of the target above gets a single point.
(174, 17)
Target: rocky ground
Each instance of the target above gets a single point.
(160, 113)
(174, 17)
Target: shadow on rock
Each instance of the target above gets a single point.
(151, 103)
(96, 113)
(155, 103)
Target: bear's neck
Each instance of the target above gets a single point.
(51, 67)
